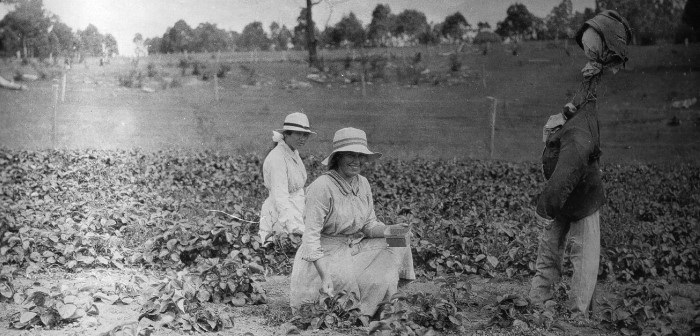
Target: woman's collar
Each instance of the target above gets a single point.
(346, 187)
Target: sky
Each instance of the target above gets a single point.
(124, 18)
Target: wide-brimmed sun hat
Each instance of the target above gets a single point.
(297, 122)
(350, 140)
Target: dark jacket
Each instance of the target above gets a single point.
(574, 188)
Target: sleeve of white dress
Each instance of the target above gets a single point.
(373, 228)
(279, 189)
(318, 205)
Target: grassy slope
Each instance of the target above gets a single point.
(424, 121)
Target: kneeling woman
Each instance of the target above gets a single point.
(344, 245)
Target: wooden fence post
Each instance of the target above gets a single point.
(63, 88)
(216, 77)
(493, 125)
(53, 116)
(216, 87)
(364, 91)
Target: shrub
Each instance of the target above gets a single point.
(417, 58)
(251, 77)
(151, 70)
(455, 62)
(347, 62)
(223, 69)
(484, 37)
(198, 68)
(407, 73)
(377, 66)
(134, 79)
(176, 83)
(183, 65)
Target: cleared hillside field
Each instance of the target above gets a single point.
(450, 119)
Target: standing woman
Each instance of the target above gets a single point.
(284, 175)
(344, 245)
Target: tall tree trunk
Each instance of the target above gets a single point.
(310, 36)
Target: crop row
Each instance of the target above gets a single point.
(78, 209)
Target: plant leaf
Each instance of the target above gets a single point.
(66, 311)
(27, 316)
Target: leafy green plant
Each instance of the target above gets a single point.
(456, 288)
(125, 294)
(174, 302)
(229, 281)
(330, 312)
(472, 246)
(7, 290)
(50, 308)
(69, 245)
(417, 314)
(643, 308)
(80, 209)
(279, 255)
(510, 308)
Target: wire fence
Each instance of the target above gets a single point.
(495, 125)
(339, 54)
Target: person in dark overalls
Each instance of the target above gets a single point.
(574, 190)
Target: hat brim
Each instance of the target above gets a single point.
(295, 129)
(353, 148)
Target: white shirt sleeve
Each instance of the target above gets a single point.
(279, 188)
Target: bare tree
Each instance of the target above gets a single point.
(311, 42)
(310, 36)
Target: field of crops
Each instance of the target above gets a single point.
(148, 216)
(143, 217)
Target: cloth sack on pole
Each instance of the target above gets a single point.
(604, 40)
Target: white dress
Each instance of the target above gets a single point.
(342, 231)
(284, 175)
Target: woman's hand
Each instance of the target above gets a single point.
(402, 226)
(326, 279)
(327, 285)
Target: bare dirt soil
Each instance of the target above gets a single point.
(268, 319)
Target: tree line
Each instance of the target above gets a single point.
(651, 20)
(31, 31)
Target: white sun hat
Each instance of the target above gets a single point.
(297, 122)
(350, 140)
